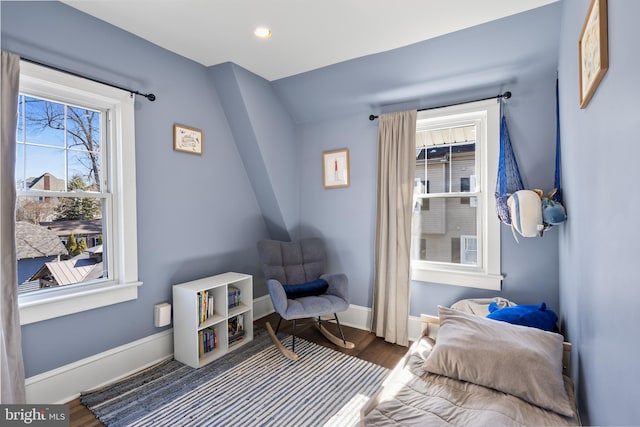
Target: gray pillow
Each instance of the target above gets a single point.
(518, 360)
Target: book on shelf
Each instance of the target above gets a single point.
(236, 328)
(207, 340)
(233, 296)
(210, 306)
(205, 306)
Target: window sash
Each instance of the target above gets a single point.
(26, 141)
(65, 194)
(447, 195)
(486, 274)
(102, 194)
(455, 266)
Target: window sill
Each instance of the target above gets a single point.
(469, 279)
(54, 303)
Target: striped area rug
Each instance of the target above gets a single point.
(252, 386)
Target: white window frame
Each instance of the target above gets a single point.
(123, 282)
(487, 273)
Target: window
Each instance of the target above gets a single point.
(456, 240)
(75, 182)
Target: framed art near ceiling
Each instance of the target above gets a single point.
(335, 168)
(593, 50)
(187, 139)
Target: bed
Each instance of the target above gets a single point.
(468, 370)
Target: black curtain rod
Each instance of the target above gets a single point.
(149, 96)
(505, 95)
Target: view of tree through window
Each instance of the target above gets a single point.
(61, 194)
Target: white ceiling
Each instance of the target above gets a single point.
(307, 34)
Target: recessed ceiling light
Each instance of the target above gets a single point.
(262, 32)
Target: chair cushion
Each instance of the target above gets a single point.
(314, 306)
(308, 289)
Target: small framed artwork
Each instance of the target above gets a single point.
(593, 50)
(187, 139)
(335, 168)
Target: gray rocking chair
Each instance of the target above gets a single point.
(299, 289)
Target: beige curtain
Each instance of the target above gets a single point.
(11, 364)
(392, 270)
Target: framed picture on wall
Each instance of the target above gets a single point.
(593, 50)
(335, 168)
(187, 139)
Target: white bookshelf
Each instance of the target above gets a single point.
(188, 323)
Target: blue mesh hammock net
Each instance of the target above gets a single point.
(557, 196)
(509, 179)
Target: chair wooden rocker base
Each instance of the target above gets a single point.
(340, 342)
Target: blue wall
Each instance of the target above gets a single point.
(197, 215)
(290, 122)
(599, 243)
(475, 63)
(266, 138)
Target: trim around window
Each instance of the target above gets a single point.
(469, 279)
(123, 286)
(49, 304)
(487, 274)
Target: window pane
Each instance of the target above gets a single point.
(443, 226)
(44, 122)
(443, 156)
(83, 132)
(463, 167)
(81, 171)
(437, 169)
(436, 232)
(62, 143)
(44, 168)
(59, 242)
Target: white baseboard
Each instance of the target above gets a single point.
(361, 317)
(357, 317)
(262, 306)
(65, 383)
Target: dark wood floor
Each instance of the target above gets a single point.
(367, 347)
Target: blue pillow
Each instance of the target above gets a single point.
(316, 287)
(533, 315)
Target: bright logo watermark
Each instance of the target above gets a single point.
(34, 415)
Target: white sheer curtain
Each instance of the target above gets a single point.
(392, 270)
(11, 363)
